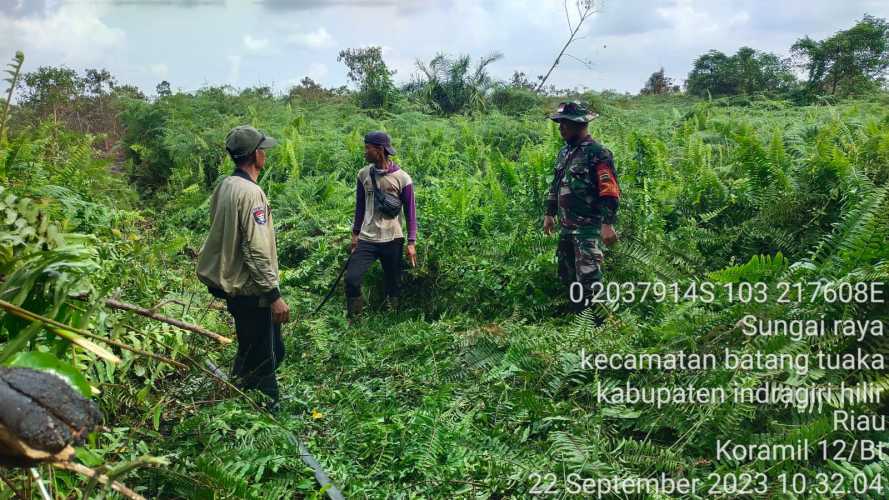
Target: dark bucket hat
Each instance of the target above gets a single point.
(574, 111)
(244, 140)
(379, 138)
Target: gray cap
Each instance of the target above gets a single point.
(243, 140)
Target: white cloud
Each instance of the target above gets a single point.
(690, 22)
(313, 39)
(73, 34)
(255, 44)
(626, 40)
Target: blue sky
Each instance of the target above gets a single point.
(192, 43)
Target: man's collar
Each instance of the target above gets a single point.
(584, 139)
(243, 175)
(389, 169)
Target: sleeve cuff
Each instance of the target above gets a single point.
(272, 295)
(550, 209)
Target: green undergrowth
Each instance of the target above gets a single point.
(476, 383)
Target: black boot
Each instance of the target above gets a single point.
(393, 303)
(354, 306)
(272, 406)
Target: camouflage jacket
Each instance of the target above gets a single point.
(584, 191)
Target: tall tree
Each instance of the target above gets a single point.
(85, 103)
(50, 91)
(658, 83)
(98, 82)
(520, 80)
(746, 72)
(374, 79)
(163, 89)
(452, 85)
(850, 61)
(712, 73)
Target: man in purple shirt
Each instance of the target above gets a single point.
(376, 234)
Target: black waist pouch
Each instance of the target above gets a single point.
(385, 203)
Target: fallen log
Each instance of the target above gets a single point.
(148, 313)
(41, 418)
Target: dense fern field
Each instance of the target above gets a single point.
(477, 387)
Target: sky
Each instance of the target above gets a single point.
(195, 43)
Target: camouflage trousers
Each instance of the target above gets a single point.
(580, 260)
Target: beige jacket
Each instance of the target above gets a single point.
(240, 256)
(376, 227)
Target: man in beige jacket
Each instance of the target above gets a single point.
(239, 263)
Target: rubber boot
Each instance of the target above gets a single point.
(354, 306)
(273, 406)
(393, 303)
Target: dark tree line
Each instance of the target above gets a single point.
(748, 71)
(850, 62)
(84, 102)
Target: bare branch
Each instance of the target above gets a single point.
(165, 302)
(101, 478)
(115, 304)
(127, 347)
(567, 16)
(588, 64)
(587, 11)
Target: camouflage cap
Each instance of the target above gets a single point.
(244, 140)
(574, 111)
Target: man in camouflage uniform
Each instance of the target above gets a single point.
(585, 193)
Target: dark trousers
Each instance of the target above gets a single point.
(365, 254)
(260, 346)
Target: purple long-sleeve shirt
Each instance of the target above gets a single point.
(409, 206)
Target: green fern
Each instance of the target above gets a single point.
(14, 72)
